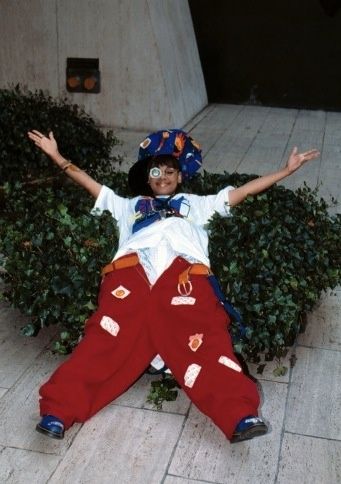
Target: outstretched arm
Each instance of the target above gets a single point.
(295, 161)
(49, 146)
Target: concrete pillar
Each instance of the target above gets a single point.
(151, 75)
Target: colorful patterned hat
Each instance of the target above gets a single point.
(174, 142)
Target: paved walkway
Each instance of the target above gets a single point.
(130, 442)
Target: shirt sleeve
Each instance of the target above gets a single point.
(207, 205)
(108, 200)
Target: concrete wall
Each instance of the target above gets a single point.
(151, 75)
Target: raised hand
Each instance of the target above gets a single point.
(47, 144)
(296, 160)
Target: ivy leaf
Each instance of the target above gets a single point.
(29, 330)
(280, 370)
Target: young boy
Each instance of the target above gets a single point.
(155, 298)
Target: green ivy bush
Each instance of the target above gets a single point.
(77, 134)
(46, 232)
(274, 257)
(54, 250)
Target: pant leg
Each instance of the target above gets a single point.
(211, 375)
(114, 352)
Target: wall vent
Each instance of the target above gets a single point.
(83, 75)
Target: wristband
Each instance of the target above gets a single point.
(65, 165)
(70, 165)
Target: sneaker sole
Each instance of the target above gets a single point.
(256, 431)
(44, 431)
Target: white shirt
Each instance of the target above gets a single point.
(158, 244)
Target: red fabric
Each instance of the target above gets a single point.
(103, 366)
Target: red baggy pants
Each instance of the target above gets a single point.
(133, 323)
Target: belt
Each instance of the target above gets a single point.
(121, 263)
(132, 260)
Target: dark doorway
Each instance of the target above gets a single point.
(284, 53)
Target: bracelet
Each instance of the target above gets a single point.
(70, 165)
(66, 165)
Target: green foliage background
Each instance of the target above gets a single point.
(273, 258)
(77, 134)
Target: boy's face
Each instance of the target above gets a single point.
(164, 179)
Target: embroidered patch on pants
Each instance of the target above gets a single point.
(110, 325)
(191, 374)
(179, 300)
(120, 292)
(224, 360)
(195, 341)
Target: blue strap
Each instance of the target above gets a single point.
(231, 311)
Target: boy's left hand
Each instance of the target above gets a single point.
(296, 160)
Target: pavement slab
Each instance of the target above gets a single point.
(280, 121)
(311, 120)
(19, 411)
(22, 466)
(314, 400)
(324, 328)
(333, 129)
(330, 172)
(216, 117)
(265, 150)
(121, 445)
(17, 352)
(309, 460)
(203, 452)
(180, 480)
(232, 146)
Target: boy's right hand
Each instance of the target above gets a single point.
(47, 144)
